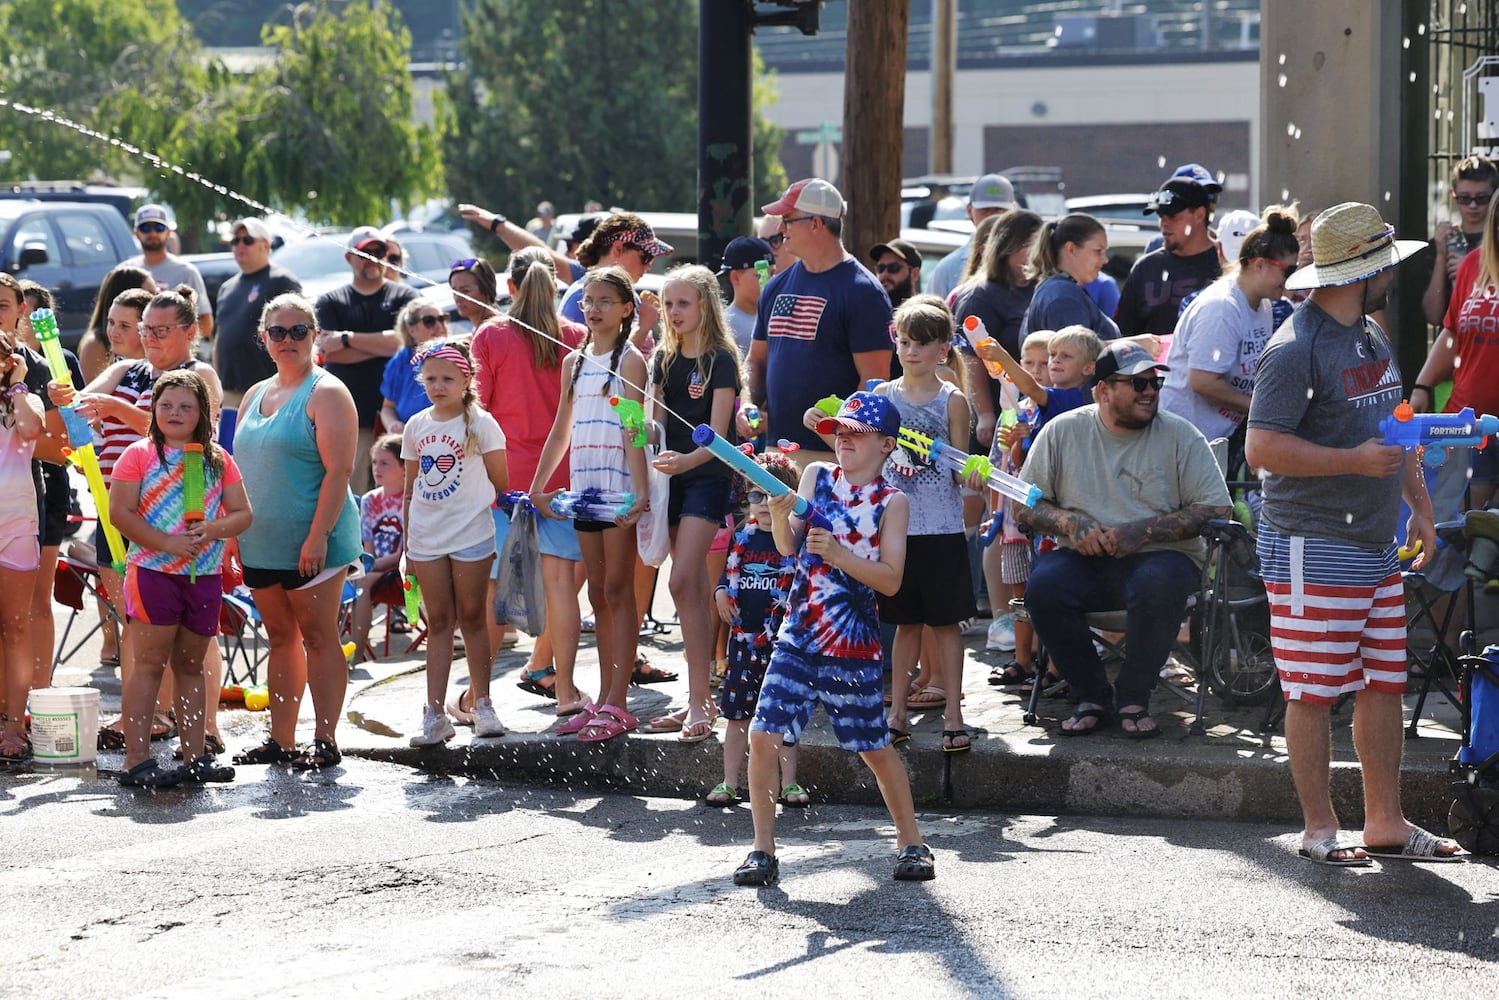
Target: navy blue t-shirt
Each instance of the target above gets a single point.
(1059, 302)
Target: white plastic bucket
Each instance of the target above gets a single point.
(64, 725)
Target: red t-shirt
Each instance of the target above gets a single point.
(1473, 320)
(521, 397)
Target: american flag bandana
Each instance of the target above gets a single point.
(444, 352)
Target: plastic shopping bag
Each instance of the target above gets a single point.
(519, 598)
(652, 533)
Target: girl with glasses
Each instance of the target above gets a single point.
(420, 322)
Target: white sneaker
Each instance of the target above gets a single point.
(460, 715)
(486, 722)
(436, 729)
(1001, 633)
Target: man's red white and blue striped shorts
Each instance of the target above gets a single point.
(1337, 616)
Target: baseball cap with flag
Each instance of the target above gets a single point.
(865, 413)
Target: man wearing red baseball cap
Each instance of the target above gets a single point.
(824, 323)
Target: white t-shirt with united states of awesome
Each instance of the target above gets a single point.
(451, 500)
(813, 325)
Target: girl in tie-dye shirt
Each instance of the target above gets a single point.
(172, 582)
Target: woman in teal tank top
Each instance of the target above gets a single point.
(295, 444)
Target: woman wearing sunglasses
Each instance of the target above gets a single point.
(1220, 335)
(118, 403)
(298, 431)
(420, 321)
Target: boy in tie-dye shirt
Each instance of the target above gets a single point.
(828, 647)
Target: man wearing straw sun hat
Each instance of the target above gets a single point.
(1332, 498)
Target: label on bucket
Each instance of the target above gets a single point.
(54, 737)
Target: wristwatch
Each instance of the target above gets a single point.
(344, 339)
(496, 222)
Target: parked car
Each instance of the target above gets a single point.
(68, 247)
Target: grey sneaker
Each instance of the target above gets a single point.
(436, 729)
(486, 722)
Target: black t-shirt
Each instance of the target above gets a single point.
(1002, 309)
(690, 396)
(1149, 300)
(44, 475)
(345, 310)
(242, 361)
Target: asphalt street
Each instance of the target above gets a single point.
(378, 881)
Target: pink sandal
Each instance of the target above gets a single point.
(578, 722)
(610, 721)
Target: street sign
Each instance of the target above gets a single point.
(825, 162)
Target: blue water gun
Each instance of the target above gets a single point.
(1437, 432)
(592, 504)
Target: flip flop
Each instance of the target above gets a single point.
(1137, 733)
(665, 723)
(899, 736)
(690, 733)
(1420, 845)
(1321, 853)
(794, 796)
(950, 742)
(931, 696)
(1099, 714)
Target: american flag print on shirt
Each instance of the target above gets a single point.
(796, 316)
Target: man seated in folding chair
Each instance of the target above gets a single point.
(1126, 490)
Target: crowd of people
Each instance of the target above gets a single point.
(354, 435)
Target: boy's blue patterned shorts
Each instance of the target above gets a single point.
(743, 680)
(850, 690)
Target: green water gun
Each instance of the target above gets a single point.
(829, 405)
(192, 492)
(80, 449)
(631, 418)
(413, 599)
(762, 271)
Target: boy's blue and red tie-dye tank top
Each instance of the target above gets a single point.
(830, 613)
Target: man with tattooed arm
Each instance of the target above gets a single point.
(1126, 490)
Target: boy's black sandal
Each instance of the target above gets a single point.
(149, 774)
(915, 864)
(206, 769)
(322, 753)
(1012, 674)
(268, 752)
(758, 869)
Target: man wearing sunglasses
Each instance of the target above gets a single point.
(1187, 261)
(154, 229)
(1126, 490)
(237, 355)
(358, 334)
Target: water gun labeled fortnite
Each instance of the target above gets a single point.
(1436, 432)
(80, 450)
(193, 489)
(704, 437)
(592, 504)
(945, 456)
(631, 418)
(979, 337)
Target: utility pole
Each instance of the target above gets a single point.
(874, 97)
(944, 62)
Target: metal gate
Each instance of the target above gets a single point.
(1462, 40)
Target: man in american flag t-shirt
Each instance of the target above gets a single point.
(823, 326)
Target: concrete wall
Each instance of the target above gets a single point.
(1143, 119)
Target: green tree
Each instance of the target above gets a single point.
(591, 99)
(127, 70)
(325, 130)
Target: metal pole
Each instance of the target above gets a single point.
(725, 66)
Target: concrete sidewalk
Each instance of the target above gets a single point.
(1234, 771)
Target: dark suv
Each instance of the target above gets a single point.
(67, 246)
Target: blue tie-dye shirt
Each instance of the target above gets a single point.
(830, 613)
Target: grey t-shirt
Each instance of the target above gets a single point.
(742, 326)
(1218, 333)
(1116, 477)
(174, 271)
(1331, 385)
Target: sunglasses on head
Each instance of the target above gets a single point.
(467, 264)
(279, 333)
(152, 227)
(1139, 383)
(431, 321)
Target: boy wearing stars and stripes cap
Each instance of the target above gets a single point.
(828, 647)
(823, 324)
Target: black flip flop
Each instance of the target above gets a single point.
(1100, 714)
